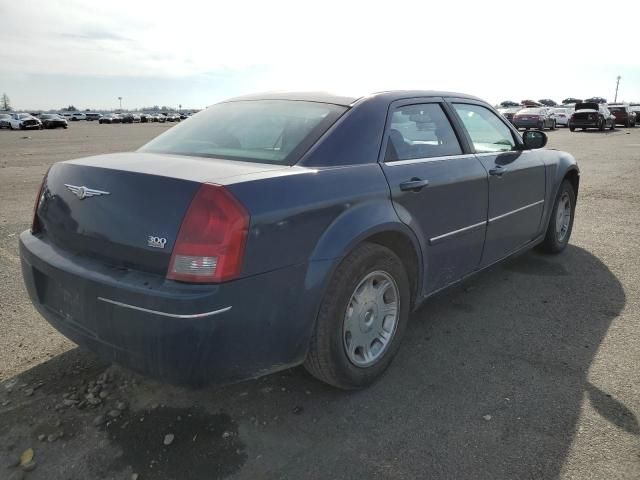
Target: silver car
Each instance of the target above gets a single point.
(562, 115)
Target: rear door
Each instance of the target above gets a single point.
(438, 187)
(516, 180)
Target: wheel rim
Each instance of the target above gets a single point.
(371, 318)
(563, 216)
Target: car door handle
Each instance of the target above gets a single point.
(414, 185)
(498, 171)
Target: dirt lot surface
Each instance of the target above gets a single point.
(528, 371)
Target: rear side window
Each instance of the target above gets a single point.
(420, 131)
(263, 131)
(488, 133)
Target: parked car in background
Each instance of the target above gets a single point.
(635, 107)
(160, 118)
(53, 120)
(202, 274)
(145, 118)
(110, 118)
(592, 115)
(597, 100)
(562, 115)
(624, 115)
(5, 120)
(77, 116)
(24, 121)
(92, 116)
(509, 112)
(535, 117)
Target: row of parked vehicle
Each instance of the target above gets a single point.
(573, 113)
(143, 117)
(38, 121)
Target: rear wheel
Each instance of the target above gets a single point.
(362, 319)
(572, 129)
(602, 125)
(561, 221)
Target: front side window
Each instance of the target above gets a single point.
(263, 131)
(420, 131)
(488, 133)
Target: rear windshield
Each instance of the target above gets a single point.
(617, 109)
(587, 106)
(263, 131)
(530, 111)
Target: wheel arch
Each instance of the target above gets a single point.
(375, 222)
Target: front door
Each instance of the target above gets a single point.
(439, 190)
(516, 181)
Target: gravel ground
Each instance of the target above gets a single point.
(526, 371)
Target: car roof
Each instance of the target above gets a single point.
(348, 100)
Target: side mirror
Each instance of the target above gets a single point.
(534, 139)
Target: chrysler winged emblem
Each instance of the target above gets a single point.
(84, 192)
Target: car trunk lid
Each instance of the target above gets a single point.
(127, 209)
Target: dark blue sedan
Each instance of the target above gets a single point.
(275, 230)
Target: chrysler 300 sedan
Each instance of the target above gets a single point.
(282, 229)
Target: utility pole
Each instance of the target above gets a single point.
(120, 98)
(617, 85)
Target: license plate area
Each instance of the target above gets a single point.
(67, 303)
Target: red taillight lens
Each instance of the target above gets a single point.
(36, 226)
(210, 244)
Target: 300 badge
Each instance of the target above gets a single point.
(156, 242)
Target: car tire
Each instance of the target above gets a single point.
(561, 220)
(572, 129)
(603, 124)
(613, 126)
(553, 125)
(328, 359)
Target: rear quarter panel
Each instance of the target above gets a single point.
(314, 214)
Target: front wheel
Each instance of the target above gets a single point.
(572, 129)
(362, 319)
(561, 221)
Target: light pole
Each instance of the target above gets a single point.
(617, 85)
(120, 98)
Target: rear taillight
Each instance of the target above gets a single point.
(210, 244)
(36, 226)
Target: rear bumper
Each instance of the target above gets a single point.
(584, 123)
(527, 123)
(187, 334)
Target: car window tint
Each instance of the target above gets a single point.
(420, 131)
(264, 131)
(488, 133)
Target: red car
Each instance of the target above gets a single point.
(624, 115)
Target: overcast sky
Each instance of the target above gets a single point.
(88, 53)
